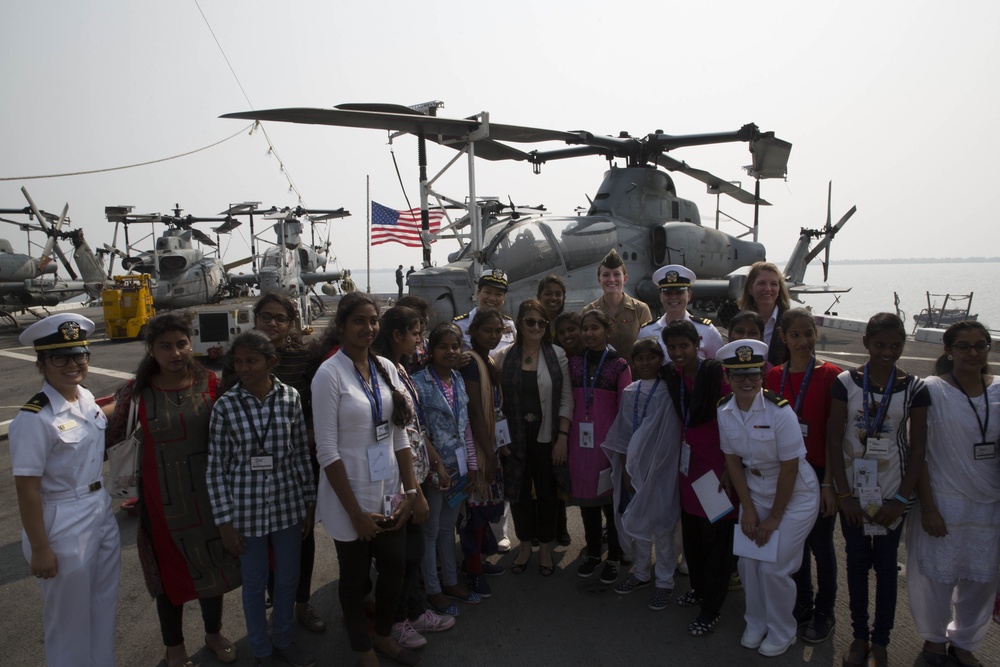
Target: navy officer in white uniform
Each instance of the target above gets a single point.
(778, 493)
(70, 536)
(675, 282)
(491, 293)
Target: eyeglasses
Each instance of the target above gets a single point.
(267, 317)
(743, 377)
(80, 359)
(965, 348)
(532, 322)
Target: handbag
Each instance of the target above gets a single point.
(125, 458)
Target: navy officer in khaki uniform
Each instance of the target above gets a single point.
(491, 293)
(626, 312)
(70, 536)
(675, 283)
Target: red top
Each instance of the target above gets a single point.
(815, 410)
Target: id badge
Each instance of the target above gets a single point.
(386, 506)
(985, 450)
(877, 447)
(685, 458)
(381, 430)
(502, 432)
(379, 462)
(462, 461)
(586, 435)
(865, 473)
(804, 427)
(263, 462)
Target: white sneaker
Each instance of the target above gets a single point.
(772, 650)
(430, 621)
(404, 635)
(752, 639)
(503, 545)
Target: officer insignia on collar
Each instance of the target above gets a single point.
(37, 402)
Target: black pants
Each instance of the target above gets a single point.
(708, 549)
(592, 531)
(389, 551)
(819, 545)
(172, 618)
(411, 601)
(536, 518)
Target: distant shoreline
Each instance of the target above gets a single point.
(920, 260)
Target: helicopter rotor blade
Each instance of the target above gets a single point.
(828, 236)
(826, 256)
(711, 180)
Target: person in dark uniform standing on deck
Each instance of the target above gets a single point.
(70, 537)
(399, 281)
(676, 283)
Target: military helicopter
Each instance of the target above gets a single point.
(30, 281)
(289, 266)
(184, 275)
(635, 210)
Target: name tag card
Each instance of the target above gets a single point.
(865, 474)
(381, 430)
(685, 458)
(463, 462)
(586, 435)
(379, 462)
(262, 462)
(804, 428)
(502, 432)
(985, 450)
(877, 447)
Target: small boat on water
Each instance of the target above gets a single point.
(950, 311)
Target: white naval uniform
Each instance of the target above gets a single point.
(711, 339)
(463, 322)
(63, 443)
(763, 437)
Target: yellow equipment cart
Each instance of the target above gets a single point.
(127, 306)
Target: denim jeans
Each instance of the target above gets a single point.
(286, 545)
(439, 543)
(866, 553)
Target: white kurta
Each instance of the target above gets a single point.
(962, 568)
(763, 437)
(63, 443)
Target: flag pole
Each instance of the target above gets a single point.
(368, 223)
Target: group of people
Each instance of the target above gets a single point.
(399, 440)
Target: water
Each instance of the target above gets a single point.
(872, 287)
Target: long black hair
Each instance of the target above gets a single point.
(294, 333)
(255, 341)
(397, 318)
(944, 363)
(483, 315)
(179, 321)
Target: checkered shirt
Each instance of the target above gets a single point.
(259, 502)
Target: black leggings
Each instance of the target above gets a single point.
(355, 558)
(172, 618)
(592, 531)
(536, 518)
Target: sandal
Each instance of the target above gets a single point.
(856, 654)
(227, 654)
(518, 568)
(444, 607)
(689, 599)
(700, 627)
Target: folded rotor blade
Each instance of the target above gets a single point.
(713, 181)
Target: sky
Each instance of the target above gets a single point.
(895, 102)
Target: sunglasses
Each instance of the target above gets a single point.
(61, 360)
(266, 318)
(532, 322)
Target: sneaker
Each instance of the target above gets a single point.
(404, 635)
(660, 599)
(588, 567)
(963, 657)
(503, 545)
(491, 570)
(477, 584)
(769, 650)
(751, 639)
(819, 629)
(630, 584)
(609, 574)
(294, 655)
(432, 622)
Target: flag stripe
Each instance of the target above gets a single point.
(394, 226)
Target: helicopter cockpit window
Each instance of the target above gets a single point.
(584, 241)
(524, 251)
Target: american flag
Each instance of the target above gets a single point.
(388, 224)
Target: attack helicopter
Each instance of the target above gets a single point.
(635, 210)
(29, 281)
(289, 266)
(183, 275)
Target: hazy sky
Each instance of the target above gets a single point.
(896, 102)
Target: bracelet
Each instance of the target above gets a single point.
(901, 499)
(566, 433)
(844, 496)
(826, 486)
(411, 492)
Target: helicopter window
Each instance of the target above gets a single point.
(584, 241)
(525, 251)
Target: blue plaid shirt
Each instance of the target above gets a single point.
(259, 502)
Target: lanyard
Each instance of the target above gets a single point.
(983, 426)
(588, 390)
(685, 405)
(871, 427)
(260, 437)
(408, 383)
(497, 399)
(800, 397)
(453, 404)
(636, 420)
(373, 393)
